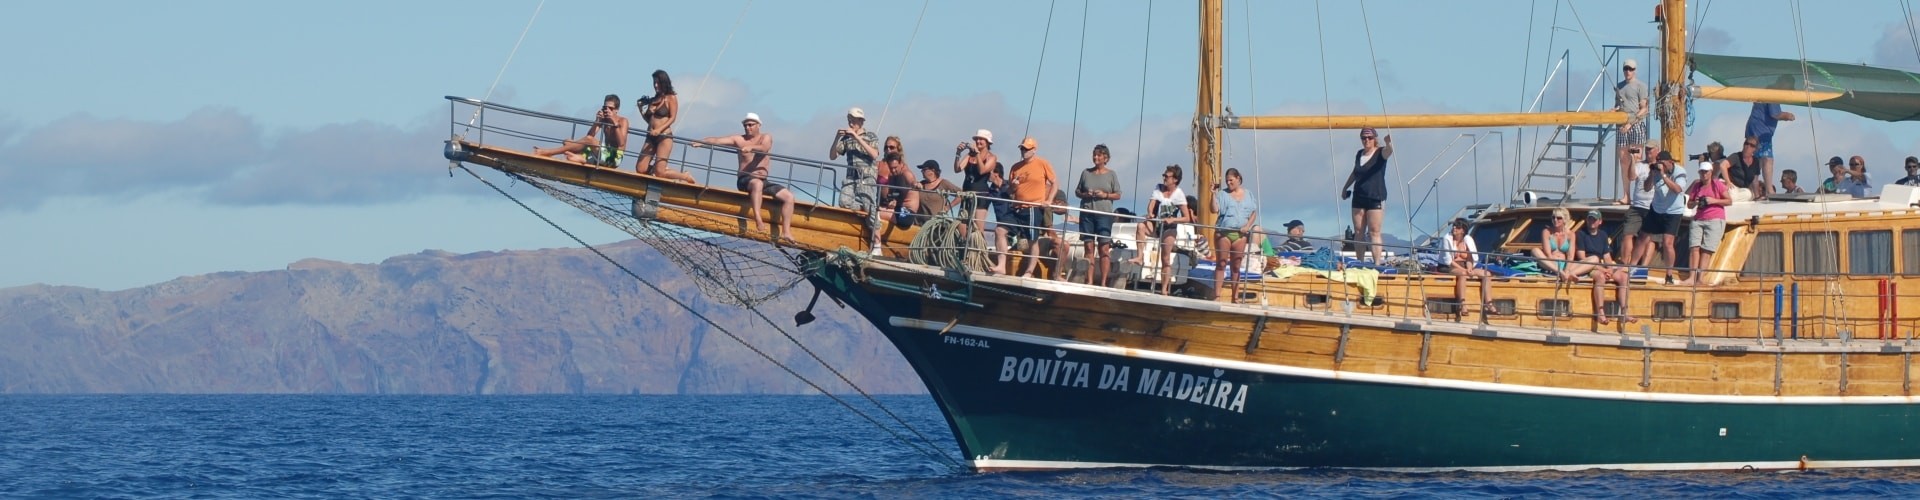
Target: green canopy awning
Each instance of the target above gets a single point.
(1877, 93)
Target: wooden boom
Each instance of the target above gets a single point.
(1466, 120)
(1775, 96)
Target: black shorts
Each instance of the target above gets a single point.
(766, 187)
(1096, 226)
(1365, 203)
(1661, 224)
(1025, 223)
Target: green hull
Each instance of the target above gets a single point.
(1019, 401)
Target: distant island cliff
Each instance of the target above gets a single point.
(554, 321)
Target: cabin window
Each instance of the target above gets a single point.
(1316, 300)
(1870, 252)
(1766, 259)
(1669, 310)
(1443, 306)
(1726, 311)
(1910, 252)
(1531, 234)
(1555, 307)
(1502, 307)
(1816, 253)
(1611, 308)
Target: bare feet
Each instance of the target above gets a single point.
(1629, 319)
(1602, 319)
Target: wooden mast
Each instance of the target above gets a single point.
(1673, 70)
(1206, 117)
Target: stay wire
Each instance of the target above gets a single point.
(882, 124)
(1246, 14)
(1079, 72)
(509, 62)
(698, 91)
(1326, 99)
(931, 449)
(1140, 130)
(1034, 98)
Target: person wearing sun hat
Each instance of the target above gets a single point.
(981, 172)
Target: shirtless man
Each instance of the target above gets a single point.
(754, 147)
(605, 150)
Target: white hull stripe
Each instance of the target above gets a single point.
(1296, 371)
(993, 464)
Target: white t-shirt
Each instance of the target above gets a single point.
(1170, 203)
(1642, 195)
(1473, 253)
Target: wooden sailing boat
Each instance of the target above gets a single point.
(1300, 372)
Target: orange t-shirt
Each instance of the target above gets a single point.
(1036, 181)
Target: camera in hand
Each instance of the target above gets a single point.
(646, 101)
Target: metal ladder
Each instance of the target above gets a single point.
(1564, 162)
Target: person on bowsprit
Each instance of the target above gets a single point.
(1367, 187)
(935, 192)
(754, 146)
(1237, 210)
(862, 149)
(898, 200)
(1596, 252)
(605, 150)
(660, 111)
(1099, 187)
(1630, 97)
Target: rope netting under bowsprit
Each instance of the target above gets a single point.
(727, 269)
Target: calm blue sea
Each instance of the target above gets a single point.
(251, 446)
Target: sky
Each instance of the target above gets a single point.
(145, 141)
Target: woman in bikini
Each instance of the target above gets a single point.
(1237, 210)
(1556, 246)
(660, 114)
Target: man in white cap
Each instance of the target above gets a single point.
(862, 149)
(1630, 97)
(754, 146)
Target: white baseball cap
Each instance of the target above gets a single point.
(857, 113)
(1631, 64)
(751, 117)
(985, 134)
(1706, 165)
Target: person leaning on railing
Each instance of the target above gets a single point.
(933, 198)
(605, 150)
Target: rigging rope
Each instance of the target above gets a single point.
(1079, 72)
(1813, 131)
(698, 90)
(509, 62)
(1140, 131)
(1035, 96)
(1913, 35)
(1519, 133)
(1326, 101)
(882, 124)
(930, 449)
(1246, 14)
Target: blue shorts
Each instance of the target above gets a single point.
(1096, 226)
(1765, 150)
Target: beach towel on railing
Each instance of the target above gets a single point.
(1367, 280)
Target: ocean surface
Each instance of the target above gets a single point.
(258, 446)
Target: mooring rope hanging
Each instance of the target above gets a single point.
(930, 449)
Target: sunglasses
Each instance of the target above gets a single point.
(1855, 165)
(1752, 145)
(1366, 138)
(893, 147)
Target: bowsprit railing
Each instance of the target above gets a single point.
(498, 125)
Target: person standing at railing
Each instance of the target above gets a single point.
(604, 151)
(1031, 181)
(1167, 206)
(1367, 186)
(1640, 199)
(661, 111)
(754, 147)
(1099, 187)
(1710, 198)
(1237, 210)
(862, 149)
(982, 176)
(1761, 123)
(1669, 207)
(1630, 97)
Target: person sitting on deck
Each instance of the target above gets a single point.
(898, 201)
(1296, 238)
(1790, 182)
(1913, 173)
(1052, 237)
(1743, 169)
(933, 201)
(1857, 183)
(754, 146)
(1166, 208)
(660, 111)
(1595, 252)
(1556, 246)
(605, 150)
(1463, 261)
(1237, 210)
